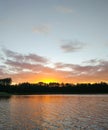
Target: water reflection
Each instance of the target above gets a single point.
(5, 121)
(55, 112)
(40, 111)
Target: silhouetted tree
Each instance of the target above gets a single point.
(6, 81)
(52, 88)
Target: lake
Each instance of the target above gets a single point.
(54, 112)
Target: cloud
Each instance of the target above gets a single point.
(44, 29)
(64, 9)
(92, 62)
(74, 68)
(15, 62)
(1, 70)
(24, 58)
(71, 46)
(85, 73)
(23, 70)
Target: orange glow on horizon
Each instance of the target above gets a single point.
(48, 80)
(54, 78)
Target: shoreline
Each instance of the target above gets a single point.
(5, 94)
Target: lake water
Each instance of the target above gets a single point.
(54, 112)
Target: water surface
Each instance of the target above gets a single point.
(54, 112)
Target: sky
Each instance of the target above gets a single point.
(54, 40)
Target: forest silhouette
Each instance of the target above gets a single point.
(52, 88)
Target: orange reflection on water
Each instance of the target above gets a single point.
(56, 111)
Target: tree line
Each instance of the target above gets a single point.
(5, 82)
(52, 88)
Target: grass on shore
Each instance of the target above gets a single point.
(4, 94)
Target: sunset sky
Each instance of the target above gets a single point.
(54, 40)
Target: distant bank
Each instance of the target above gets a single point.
(6, 89)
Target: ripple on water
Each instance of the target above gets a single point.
(45, 112)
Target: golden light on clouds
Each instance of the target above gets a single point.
(32, 68)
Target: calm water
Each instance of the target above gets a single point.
(54, 112)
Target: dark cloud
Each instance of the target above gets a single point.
(93, 62)
(15, 63)
(99, 70)
(21, 66)
(71, 46)
(24, 58)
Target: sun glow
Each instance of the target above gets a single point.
(49, 80)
